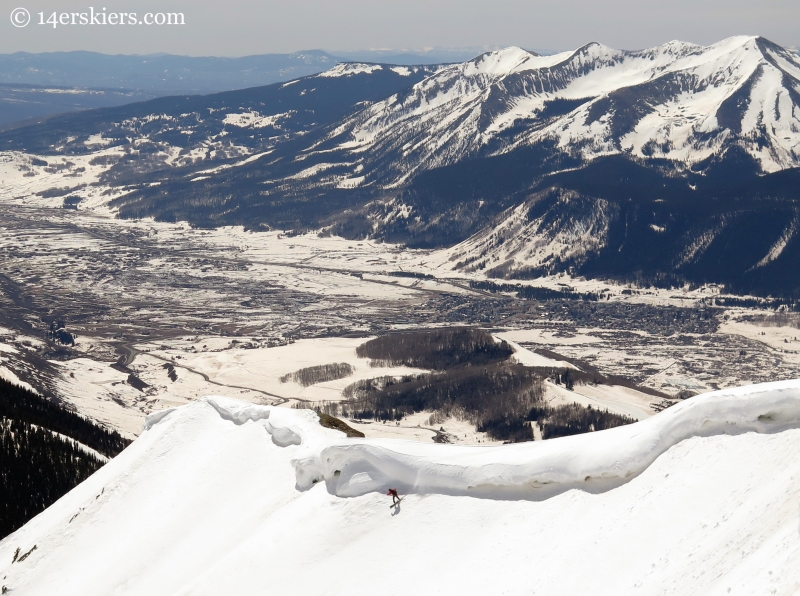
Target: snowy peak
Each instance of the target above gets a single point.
(594, 52)
(677, 47)
(781, 58)
(349, 69)
(499, 63)
(677, 101)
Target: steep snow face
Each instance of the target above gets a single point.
(347, 69)
(551, 229)
(218, 497)
(678, 101)
(443, 104)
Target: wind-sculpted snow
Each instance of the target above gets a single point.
(284, 429)
(594, 461)
(207, 501)
(237, 412)
(155, 418)
(283, 432)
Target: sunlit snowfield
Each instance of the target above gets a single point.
(222, 496)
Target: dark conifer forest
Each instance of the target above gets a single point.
(574, 419)
(437, 349)
(474, 379)
(20, 404)
(495, 397)
(319, 374)
(39, 461)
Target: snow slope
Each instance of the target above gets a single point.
(216, 498)
(569, 231)
(499, 158)
(677, 101)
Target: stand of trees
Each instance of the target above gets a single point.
(412, 274)
(574, 419)
(534, 292)
(319, 374)
(474, 381)
(491, 397)
(20, 404)
(501, 400)
(60, 334)
(771, 303)
(38, 466)
(438, 349)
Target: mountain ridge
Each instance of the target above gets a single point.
(297, 494)
(687, 148)
(605, 123)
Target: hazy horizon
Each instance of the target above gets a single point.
(243, 27)
(376, 52)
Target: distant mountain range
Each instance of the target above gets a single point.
(23, 103)
(33, 86)
(677, 163)
(161, 73)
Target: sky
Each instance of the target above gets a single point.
(244, 27)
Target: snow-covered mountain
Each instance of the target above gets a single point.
(678, 101)
(678, 162)
(226, 497)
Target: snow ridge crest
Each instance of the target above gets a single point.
(594, 462)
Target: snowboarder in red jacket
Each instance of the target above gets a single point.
(395, 497)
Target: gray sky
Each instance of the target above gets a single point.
(241, 27)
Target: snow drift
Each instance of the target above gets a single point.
(589, 461)
(226, 497)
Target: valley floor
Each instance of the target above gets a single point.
(162, 314)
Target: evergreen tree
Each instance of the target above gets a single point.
(37, 464)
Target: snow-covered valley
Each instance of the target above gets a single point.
(635, 165)
(195, 312)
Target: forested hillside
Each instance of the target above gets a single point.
(40, 460)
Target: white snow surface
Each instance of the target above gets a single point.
(253, 119)
(217, 497)
(346, 69)
(684, 112)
